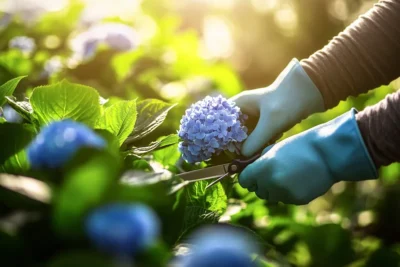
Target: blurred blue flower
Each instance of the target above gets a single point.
(123, 229)
(59, 141)
(11, 115)
(210, 126)
(117, 36)
(52, 66)
(217, 246)
(23, 43)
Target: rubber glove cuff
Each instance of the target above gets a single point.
(302, 93)
(353, 161)
(342, 147)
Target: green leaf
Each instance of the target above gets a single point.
(87, 180)
(66, 100)
(151, 114)
(119, 119)
(8, 89)
(81, 258)
(13, 139)
(167, 156)
(203, 206)
(23, 108)
(165, 141)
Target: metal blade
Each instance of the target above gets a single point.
(205, 174)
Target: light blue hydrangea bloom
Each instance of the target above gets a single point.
(11, 115)
(117, 36)
(215, 246)
(52, 66)
(210, 126)
(23, 43)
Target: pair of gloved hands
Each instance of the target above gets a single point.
(304, 166)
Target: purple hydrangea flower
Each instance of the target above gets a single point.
(23, 43)
(59, 141)
(210, 126)
(116, 36)
(52, 66)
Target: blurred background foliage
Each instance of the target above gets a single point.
(184, 50)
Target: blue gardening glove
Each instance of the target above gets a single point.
(289, 99)
(303, 167)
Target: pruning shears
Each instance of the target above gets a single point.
(218, 172)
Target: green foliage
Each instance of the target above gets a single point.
(119, 119)
(152, 113)
(84, 186)
(8, 88)
(134, 100)
(13, 139)
(65, 100)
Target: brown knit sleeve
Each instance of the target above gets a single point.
(364, 56)
(380, 129)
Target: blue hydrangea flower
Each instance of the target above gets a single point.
(123, 229)
(59, 141)
(23, 43)
(11, 115)
(117, 36)
(220, 246)
(210, 126)
(52, 66)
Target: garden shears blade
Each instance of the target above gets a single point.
(219, 171)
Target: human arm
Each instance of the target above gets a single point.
(363, 57)
(350, 147)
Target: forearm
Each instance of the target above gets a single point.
(364, 56)
(380, 129)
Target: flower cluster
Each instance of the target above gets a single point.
(123, 229)
(23, 43)
(11, 115)
(117, 36)
(59, 141)
(52, 66)
(220, 246)
(210, 126)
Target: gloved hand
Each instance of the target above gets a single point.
(305, 166)
(289, 99)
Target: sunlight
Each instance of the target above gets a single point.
(264, 6)
(217, 38)
(286, 19)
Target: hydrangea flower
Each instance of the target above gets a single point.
(123, 229)
(11, 115)
(59, 141)
(23, 43)
(210, 126)
(53, 65)
(117, 36)
(216, 246)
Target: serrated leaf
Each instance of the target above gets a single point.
(119, 119)
(66, 100)
(8, 88)
(168, 140)
(23, 108)
(203, 205)
(151, 114)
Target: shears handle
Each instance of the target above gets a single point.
(238, 165)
